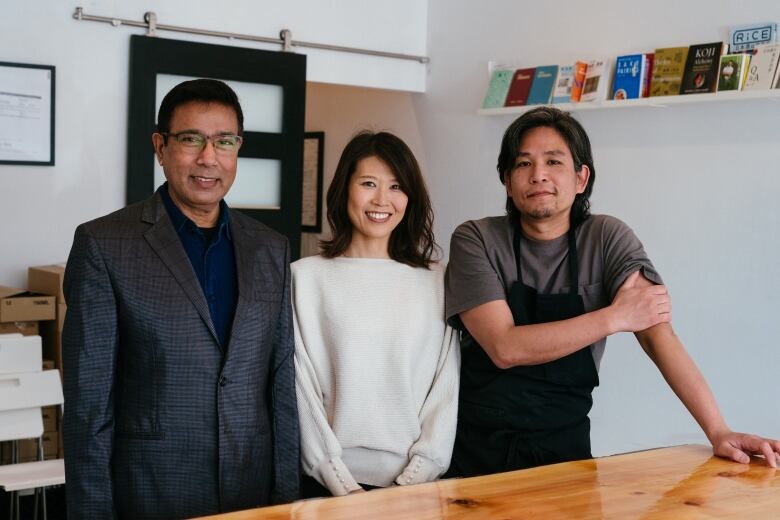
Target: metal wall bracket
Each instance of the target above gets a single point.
(285, 36)
(151, 18)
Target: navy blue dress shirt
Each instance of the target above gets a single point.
(213, 260)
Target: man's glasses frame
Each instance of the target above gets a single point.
(228, 143)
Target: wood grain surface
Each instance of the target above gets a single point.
(681, 482)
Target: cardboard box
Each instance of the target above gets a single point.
(51, 335)
(27, 449)
(47, 279)
(25, 328)
(60, 446)
(21, 305)
(49, 418)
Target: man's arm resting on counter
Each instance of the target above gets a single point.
(667, 352)
(492, 325)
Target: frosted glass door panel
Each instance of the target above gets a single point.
(257, 185)
(260, 102)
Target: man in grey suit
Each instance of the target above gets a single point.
(177, 345)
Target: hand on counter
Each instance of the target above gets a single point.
(738, 446)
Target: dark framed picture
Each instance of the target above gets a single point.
(311, 198)
(26, 114)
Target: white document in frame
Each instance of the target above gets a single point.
(25, 118)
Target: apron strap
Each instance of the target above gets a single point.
(516, 246)
(574, 272)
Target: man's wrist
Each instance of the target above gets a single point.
(609, 320)
(716, 431)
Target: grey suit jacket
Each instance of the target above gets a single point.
(159, 421)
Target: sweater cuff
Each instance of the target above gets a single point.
(419, 469)
(337, 477)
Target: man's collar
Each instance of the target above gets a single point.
(179, 219)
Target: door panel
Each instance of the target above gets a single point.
(271, 87)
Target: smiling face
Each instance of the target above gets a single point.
(198, 179)
(543, 183)
(376, 205)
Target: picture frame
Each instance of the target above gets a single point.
(27, 96)
(311, 195)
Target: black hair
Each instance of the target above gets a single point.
(201, 90)
(412, 241)
(572, 133)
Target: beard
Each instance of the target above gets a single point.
(540, 214)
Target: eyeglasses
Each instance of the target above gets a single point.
(227, 143)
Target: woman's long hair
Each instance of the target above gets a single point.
(411, 242)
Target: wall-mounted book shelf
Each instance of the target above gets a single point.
(653, 102)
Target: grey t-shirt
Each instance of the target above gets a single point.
(482, 266)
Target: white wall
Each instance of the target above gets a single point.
(699, 185)
(41, 206)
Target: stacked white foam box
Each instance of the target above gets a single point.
(24, 387)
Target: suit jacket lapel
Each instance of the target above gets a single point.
(164, 240)
(245, 248)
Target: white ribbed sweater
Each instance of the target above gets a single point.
(376, 372)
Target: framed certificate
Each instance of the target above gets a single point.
(26, 114)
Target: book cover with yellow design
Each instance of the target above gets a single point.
(668, 67)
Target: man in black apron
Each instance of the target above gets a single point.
(535, 294)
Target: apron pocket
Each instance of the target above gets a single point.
(480, 416)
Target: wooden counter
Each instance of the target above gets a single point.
(683, 482)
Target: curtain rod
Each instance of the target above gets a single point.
(285, 36)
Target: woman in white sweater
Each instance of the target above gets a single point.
(376, 365)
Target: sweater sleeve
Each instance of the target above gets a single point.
(431, 453)
(320, 449)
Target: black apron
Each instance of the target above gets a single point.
(526, 416)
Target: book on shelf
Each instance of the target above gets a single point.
(580, 68)
(498, 88)
(562, 92)
(668, 67)
(520, 87)
(701, 68)
(732, 71)
(543, 85)
(649, 62)
(762, 67)
(596, 85)
(629, 79)
(745, 37)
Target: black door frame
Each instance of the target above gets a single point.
(150, 56)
